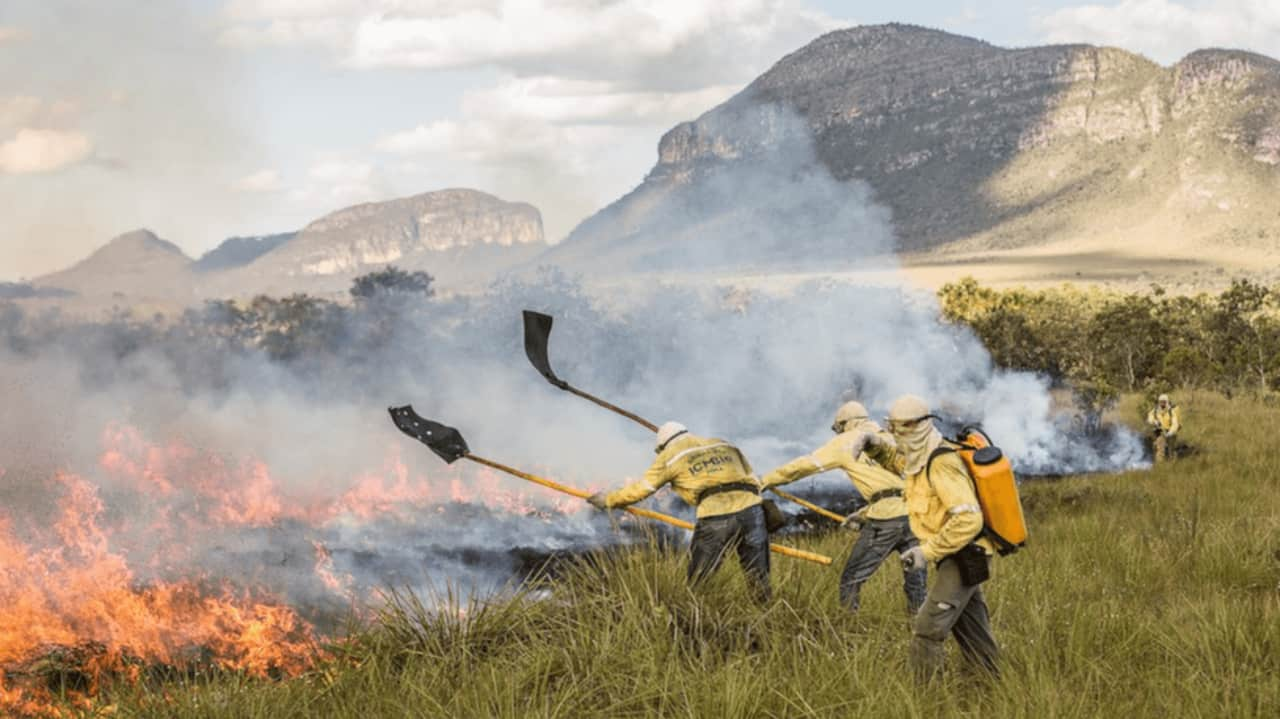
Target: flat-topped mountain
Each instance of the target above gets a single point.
(976, 148)
(405, 231)
(456, 235)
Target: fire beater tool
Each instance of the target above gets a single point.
(449, 445)
(537, 337)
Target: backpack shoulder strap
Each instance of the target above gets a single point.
(932, 456)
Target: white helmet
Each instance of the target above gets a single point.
(667, 432)
(908, 407)
(848, 412)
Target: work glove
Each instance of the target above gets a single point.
(913, 558)
(599, 500)
(858, 443)
(855, 520)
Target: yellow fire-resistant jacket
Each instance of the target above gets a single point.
(943, 507)
(692, 464)
(867, 476)
(1168, 420)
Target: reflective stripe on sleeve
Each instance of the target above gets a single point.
(965, 509)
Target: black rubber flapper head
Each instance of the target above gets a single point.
(537, 334)
(444, 440)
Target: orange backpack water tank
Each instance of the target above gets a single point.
(997, 489)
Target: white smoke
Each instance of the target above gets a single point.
(758, 361)
(765, 292)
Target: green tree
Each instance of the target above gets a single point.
(293, 327)
(1129, 341)
(392, 281)
(965, 300)
(1242, 335)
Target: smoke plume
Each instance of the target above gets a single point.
(216, 446)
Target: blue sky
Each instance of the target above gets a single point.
(205, 118)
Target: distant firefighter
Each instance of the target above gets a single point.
(1165, 421)
(713, 476)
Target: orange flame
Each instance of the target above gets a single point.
(67, 581)
(75, 589)
(328, 575)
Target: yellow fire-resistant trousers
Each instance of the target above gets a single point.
(1163, 448)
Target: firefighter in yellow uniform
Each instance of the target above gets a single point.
(1165, 420)
(713, 476)
(883, 521)
(945, 516)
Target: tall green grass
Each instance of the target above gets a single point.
(1143, 594)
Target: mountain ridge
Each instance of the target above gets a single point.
(1067, 161)
(453, 233)
(977, 148)
(137, 263)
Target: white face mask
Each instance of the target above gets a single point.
(916, 443)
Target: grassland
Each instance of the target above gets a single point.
(1144, 594)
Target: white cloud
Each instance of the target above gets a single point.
(552, 123)
(436, 137)
(651, 43)
(586, 87)
(265, 180)
(340, 171)
(506, 142)
(342, 181)
(27, 111)
(19, 110)
(324, 23)
(33, 151)
(1167, 30)
(522, 116)
(563, 101)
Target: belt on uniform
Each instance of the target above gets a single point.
(884, 494)
(730, 487)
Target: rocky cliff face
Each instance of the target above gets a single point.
(406, 232)
(456, 235)
(979, 147)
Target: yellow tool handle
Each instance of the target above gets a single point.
(654, 428)
(807, 504)
(611, 407)
(638, 511)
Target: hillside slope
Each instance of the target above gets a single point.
(457, 235)
(137, 264)
(980, 149)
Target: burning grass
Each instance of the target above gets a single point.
(168, 563)
(1143, 594)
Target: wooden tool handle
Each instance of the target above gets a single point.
(638, 511)
(807, 504)
(612, 407)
